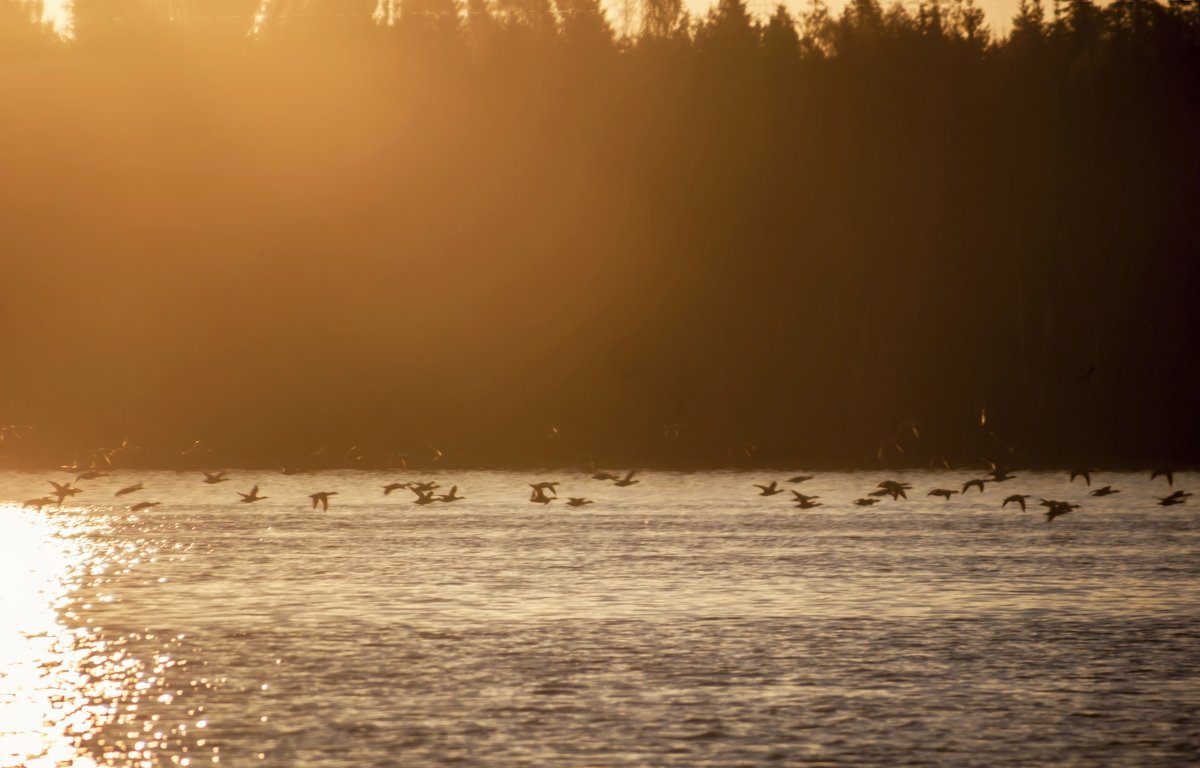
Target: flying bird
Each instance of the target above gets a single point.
(1170, 501)
(1016, 498)
(546, 485)
(13, 431)
(63, 491)
(144, 505)
(452, 496)
(212, 478)
(976, 483)
(999, 473)
(945, 493)
(195, 449)
(768, 490)
(865, 502)
(91, 474)
(577, 501)
(128, 489)
(322, 498)
(539, 496)
(807, 503)
(1057, 508)
(800, 478)
(627, 480)
(803, 497)
(387, 489)
(1086, 474)
(250, 498)
(1107, 490)
(1167, 473)
(423, 497)
(602, 475)
(892, 488)
(39, 503)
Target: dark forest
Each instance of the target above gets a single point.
(504, 235)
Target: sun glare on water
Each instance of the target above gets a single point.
(39, 689)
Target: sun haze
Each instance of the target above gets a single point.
(735, 238)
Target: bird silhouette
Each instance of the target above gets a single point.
(539, 496)
(939, 461)
(250, 498)
(577, 501)
(1057, 508)
(799, 478)
(892, 488)
(1107, 490)
(212, 478)
(421, 486)
(945, 493)
(39, 502)
(128, 489)
(999, 473)
(1017, 498)
(452, 496)
(1086, 474)
(144, 505)
(423, 497)
(768, 490)
(546, 485)
(627, 480)
(602, 475)
(14, 431)
(1172, 500)
(1167, 473)
(197, 448)
(865, 502)
(387, 489)
(61, 492)
(803, 497)
(976, 483)
(91, 474)
(322, 498)
(807, 503)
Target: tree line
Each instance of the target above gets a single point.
(509, 231)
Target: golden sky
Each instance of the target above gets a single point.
(999, 12)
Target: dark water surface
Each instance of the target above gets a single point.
(682, 621)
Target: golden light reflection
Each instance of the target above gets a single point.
(39, 682)
(72, 693)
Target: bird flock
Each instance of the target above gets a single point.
(545, 492)
(998, 474)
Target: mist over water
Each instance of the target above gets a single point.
(682, 621)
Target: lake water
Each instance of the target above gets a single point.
(684, 620)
